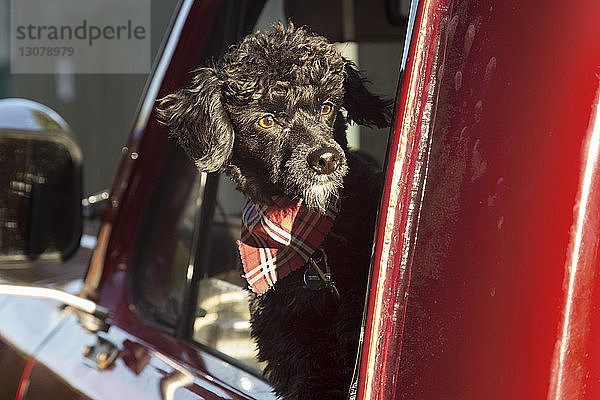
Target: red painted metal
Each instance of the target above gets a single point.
(407, 160)
(576, 368)
(139, 371)
(496, 293)
(24, 381)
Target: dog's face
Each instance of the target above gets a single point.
(284, 127)
(269, 115)
(284, 143)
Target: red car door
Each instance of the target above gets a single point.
(486, 278)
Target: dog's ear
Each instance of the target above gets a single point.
(364, 107)
(199, 122)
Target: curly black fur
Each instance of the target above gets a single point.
(308, 339)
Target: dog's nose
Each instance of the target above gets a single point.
(325, 160)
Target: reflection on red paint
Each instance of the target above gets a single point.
(24, 382)
(572, 358)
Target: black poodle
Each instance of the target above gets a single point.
(272, 114)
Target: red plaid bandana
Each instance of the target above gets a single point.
(280, 239)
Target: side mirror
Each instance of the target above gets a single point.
(40, 185)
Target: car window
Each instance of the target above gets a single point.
(164, 248)
(222, 314)
(183, 242)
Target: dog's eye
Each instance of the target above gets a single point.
(266, 122)
(326, 109)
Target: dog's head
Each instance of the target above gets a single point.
(269, 115)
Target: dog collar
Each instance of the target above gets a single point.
(276, 240)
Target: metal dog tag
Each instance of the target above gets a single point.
(312, 280)
(315, 282)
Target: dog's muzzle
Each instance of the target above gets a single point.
(325, 160)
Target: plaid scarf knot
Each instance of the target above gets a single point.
(276, 240)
